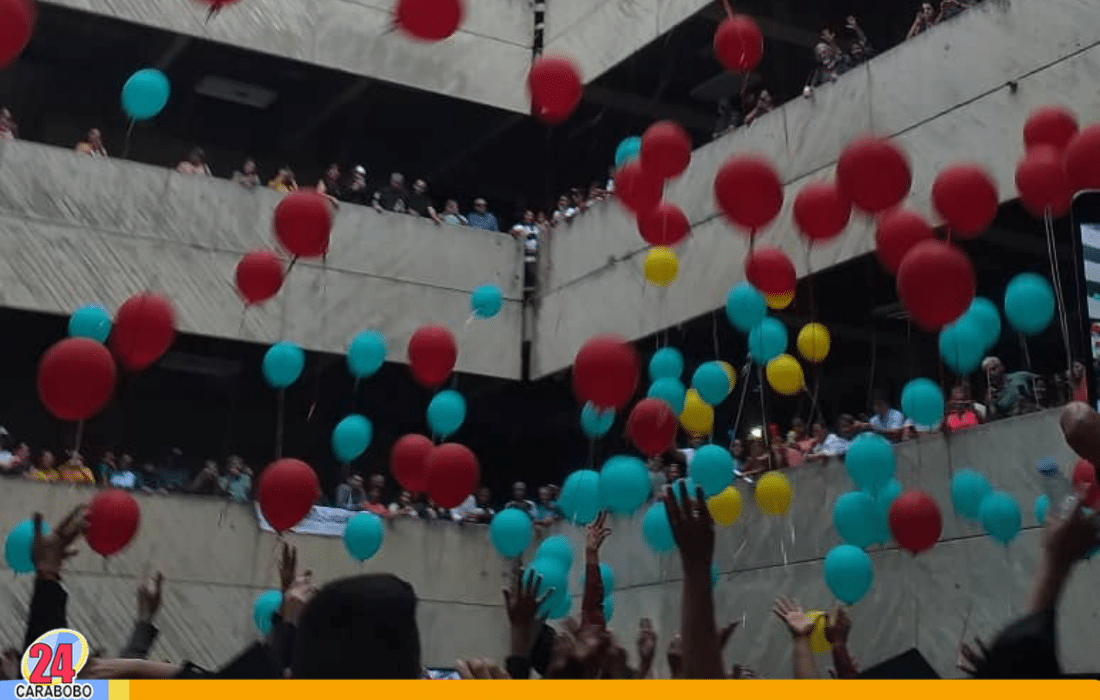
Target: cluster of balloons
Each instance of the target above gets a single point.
(965, 342)
(551, 564)
(448, 473)
(974, 498)
(1059, 160)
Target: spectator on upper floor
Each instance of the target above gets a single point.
(75, 471)
(92, 145)
(195, 164)
(565, 212)
(950, 8)
(18, 463)
(577, 198)
(609, 188)
(392, 196)
(329, 185)
(377, 479)
(1007, 394)
(475, 509)
(728, 118)
(546, 510)
(45, 469)
(374, 504)
(757, 106)
(206, 481)
(481, 217)
(829, 64)
(886, 421)
(520, 500)
(237, 481)
(528, 232)
(406, 506)
(104, 468)
(124, 477)
(150, 480)
(961, 412)
(832, 444)
(926, 17)
(420, 204)
(247, 176)
(451, 214)
(542, 223)
(283, 182)
(350, 493)
(357, 192)
(8, 128)
(860, 50)
(596, 194)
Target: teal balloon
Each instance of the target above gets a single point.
(711, 468)
(870, 462)
(145, 94)
(1029, 303)
(968, 489)
(366, 354)
(486, 301)
(1042, 507)
(608, 608)
(283, 364)
(856, 519)
(446, 413)
(554, 576)
(17, 547)
(922, 402)
(351, 437)
(656, 530)
(883, 500)
(91, 321)
(767, 341)
(556, 548)
(511, 532)
(713, 576)
(562, 606)
(596, 422)
(579, 501)
(671, 391)
(628, 150)
(266, 605)
(962, 346)
(363, 536)
(624, 484)
(666, 363)
(712, 383)
(746, 307)
(985, 315)
(1000, 516)
(848, 573)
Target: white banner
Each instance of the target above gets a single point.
(328, 522)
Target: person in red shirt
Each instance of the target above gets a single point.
(374, 503)
(961, 413)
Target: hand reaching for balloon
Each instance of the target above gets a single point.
(647, 642)
(50, 550)
(971, 658)
(297, 597)
(1070, 536)
(480, 669)
(726, 633)
(597, 532)
(794, 617)
(288, 566)
(149, 597)
(692, 526)
(675, 656)
(523, 604)
(837, 627)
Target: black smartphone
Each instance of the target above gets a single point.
(1085, 218)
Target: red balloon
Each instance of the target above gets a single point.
(638, 189)
(76, 378)
(651, 426)
(287, 491)
(113, 519)
(409, 461)
(303, 224)
(666, 149)
(738, 43)
(1049, 126)
(605, 372)
(259, 276)
(666, 224)
(1084, 477)
(17, 19)
(432, 355)
(770, 270)
(429, 20)
(556, 88)
(874, 174)
(144, 329)
(749, 192)
(1083, 159)
(897, 232)
(821, 212)
(1042, 182)
(936, 284)
(915, 521)
(452, 474)
(965, 195)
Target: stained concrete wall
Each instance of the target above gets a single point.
(76, 230)
(355, 36)
(942, 96)
(217, 561)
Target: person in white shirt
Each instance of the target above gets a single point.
(832, 444)
(887, 422)
(475, 509)
(528, 232)
(565, 212)
(520, 500)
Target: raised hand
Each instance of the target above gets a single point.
(971, 658)
(647, 640)
(297, 596)
(149, 597)
(597, 532)
(49, 551)
(480, 669)
(1069, 536)
(692, 526)
(726, 633)
(837, 627)
(525, 609)
(675, 656)
(740, 672)
(794, 617)
(288, 566)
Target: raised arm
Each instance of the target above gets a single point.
(49, 552)
(592, 599)
(837, 627)
(800, 625)
(145, 633)
(525, 610)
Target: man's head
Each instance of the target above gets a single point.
(879, 404)
(483, 495)
(798, 427)
(397, 180)
(378, 480)
(563, 202)
(824, 53)
(845, 426)
(519, 491)
(451, 206)
(545, 494)
(196, 157)
(149, 468)
(405, 498)
(480, 205)
(249, 166)
(363, 627)
(94, 136)
(420, 186)
(927, 11)
(994, 370)
(127, 461)
(355, 481)
(696, 441)
(374, 494)
(45, 460)
(22, 451)
(333, 171)
(528, 216)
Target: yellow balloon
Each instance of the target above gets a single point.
(779, 301)
(818, 643)
(725, 508)
(785, 375)
(698, 417)
(661, 265)
(730, 372)
(814, 342)
(773, 493)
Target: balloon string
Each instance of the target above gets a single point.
(126, 142)
(714, 333)
(1059, 293)
(244, 311)
(79, 436)
(741, 404)
(280, 406)
(729, 8)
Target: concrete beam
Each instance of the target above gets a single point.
(649, 108)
